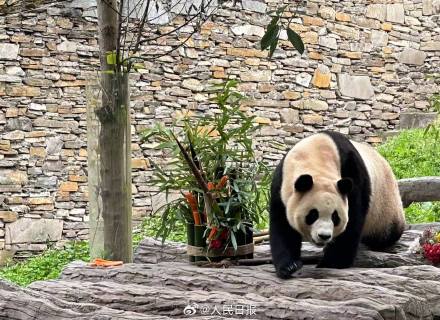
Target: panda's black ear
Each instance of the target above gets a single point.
(304, 183)
(345, 185)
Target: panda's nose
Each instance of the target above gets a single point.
(324, 236)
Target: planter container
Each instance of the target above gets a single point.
(198, 249)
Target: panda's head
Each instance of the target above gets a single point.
(318, 208)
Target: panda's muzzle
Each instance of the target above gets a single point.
(324, 236)
(322, 239)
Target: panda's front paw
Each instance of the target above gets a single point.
(285, 270)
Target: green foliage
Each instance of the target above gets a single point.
(434, 102)
(46, 266)
(272, 35)
(151, 225)
(412, 154)
(49, 264)
(433, 129)
(220, 144)
(415, 154)
(296, 41)
(423, 212)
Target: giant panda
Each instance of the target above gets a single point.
(335, 193)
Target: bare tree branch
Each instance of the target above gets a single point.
(200, 14)
(141, 27)
(118, 41)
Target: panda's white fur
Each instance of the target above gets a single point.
(371, 212)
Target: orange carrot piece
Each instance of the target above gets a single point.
(193, 205)
(211, 186)
(105, 263)
(191, 200)
(222, 182)
(212, 233)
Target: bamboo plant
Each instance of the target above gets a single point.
(213, 167)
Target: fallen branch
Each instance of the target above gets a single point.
(419, 190)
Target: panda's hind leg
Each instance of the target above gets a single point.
(386, 239)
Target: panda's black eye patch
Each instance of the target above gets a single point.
(312, 216)
(335, 218)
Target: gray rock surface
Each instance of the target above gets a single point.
(412, 56)
(256, 6)
(358, 87)
(26, 230)
(410, 120)
(8, 51)
(161, 285)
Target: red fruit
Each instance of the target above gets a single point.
(432, 252)
(224, 234)
(216, 244)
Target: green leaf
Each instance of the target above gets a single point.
(271, 33)
(111, 57)
(280, 10)
(273, 22)
(273, 46)
(428, 127)
(295, 40)
(233, 241)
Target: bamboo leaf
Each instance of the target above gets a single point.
(295, 40)
(234, 241)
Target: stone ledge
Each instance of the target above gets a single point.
(409, 120)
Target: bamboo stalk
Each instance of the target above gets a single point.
(209, 200)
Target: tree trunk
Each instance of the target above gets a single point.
(110, 162)
(96, 220)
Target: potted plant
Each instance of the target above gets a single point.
(212, 165)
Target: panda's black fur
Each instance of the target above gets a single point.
(286, 242)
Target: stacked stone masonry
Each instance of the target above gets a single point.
(365, 63)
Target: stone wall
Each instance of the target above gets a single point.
(365, 63)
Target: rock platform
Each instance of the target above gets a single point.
(161, 284)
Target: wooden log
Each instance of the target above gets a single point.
(408, 294)
(419, 190)
(23, 304)
(153, 251)
(161, 300)
(260, 239)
